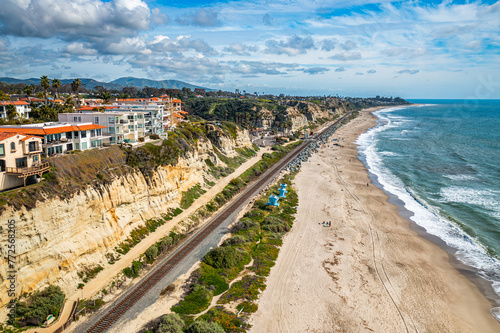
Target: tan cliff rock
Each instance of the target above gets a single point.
(60, 237)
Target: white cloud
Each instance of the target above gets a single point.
(74, 19)
(77, 48)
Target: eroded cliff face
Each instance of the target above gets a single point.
(301, 113)
(60, 237)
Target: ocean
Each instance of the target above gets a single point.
(441, 159)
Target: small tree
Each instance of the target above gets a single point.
(152, 252)
(171, 323)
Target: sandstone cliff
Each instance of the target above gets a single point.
(61, 234)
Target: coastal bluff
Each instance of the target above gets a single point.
(91, 201)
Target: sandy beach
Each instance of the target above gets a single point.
(368, 271)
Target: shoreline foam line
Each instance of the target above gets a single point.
(467, 249)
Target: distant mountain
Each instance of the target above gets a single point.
(117, 84)
(141, 83)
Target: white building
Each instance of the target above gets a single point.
(120, 126)
(58, 138)
(22, 108)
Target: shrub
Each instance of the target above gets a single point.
(154, 136)
(223, 257)
(141, 139)
(275, 224)
(237, 239)
(171, 323)
(201, 326)
(194, 302)
(212, 277)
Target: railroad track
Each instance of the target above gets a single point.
(141, 288)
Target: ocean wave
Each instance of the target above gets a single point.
(461, 177)
(469, 250)
(482, 198)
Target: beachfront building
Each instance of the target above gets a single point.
(20, 160)
(58, 138)
(160, 113)
(120, 126)
(22, 108)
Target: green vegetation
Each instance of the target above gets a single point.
(89, 273)
(40, 304)
(258, 236)
(189, 196)
(141, 232)
(201, 326)
(171, 323)
(196, 301)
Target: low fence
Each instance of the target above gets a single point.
(71, 318)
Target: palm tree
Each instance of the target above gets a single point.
(28, 90)
(69, 104)
(106, 96)
(75, 85)
(11, 112)
(56, 84)
(45, 83)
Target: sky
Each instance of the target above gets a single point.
(411, 49)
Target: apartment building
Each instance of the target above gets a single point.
(58, 138)
(119, 126)
(20, 160)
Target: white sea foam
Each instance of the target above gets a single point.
(486, 199)
(461, 177)
(469, 251)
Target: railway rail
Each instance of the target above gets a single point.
(114, 312)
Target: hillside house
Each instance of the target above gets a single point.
(20, 160)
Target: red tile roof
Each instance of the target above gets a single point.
(13, 103)
(4, 136)
(97, 107)
(50, 130)
(27, 137)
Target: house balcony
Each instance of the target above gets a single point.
(37, 169)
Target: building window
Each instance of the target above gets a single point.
(111, 130)
(21, 162)
(77, 119)
(131, 127)
(69, 146)
(12, 147)
(32, 146)
(77, 146)
(99, 132)
(58, 149)
(69, 135)
(111, 120)
(35, 159)
(92, 133)
(84, 145)
(75, 133)
(2, 165)
(2, 149)
(96, 120)
(83, 134)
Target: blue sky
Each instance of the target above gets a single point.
(412, 49)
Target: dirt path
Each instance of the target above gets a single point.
(369, 271)
(105, 276)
